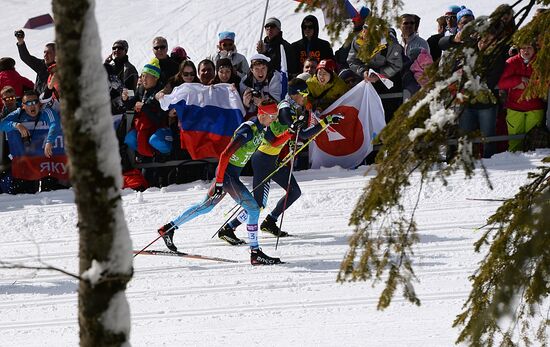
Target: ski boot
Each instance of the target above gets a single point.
(167, 233)
(228, 235)
(270, 225)
(257, 257)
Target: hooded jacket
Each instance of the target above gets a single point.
(514, 70)
(316, 48)
(273, 51)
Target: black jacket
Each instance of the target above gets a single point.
(273, 51)
(125, 71)
(315, 48)
(38, 65)
(433, 42)
(168, 68)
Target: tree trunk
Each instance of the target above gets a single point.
(105, 245)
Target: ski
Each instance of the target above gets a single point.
(183, 255)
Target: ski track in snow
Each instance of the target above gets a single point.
(210, 303)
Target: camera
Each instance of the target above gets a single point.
(256, 93)
(20, 34)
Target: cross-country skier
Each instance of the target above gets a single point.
(265, 161)
(244, 143)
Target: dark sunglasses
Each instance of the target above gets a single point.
(308, 27)
(408, 23)
(270, 26)
(10, 98)
(31, 102)
(187, 74)
(118, 48)
(227, 44)
(156, 48)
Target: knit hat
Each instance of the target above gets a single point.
(297, 86)
(464, 12)
(226, 35)
(453, 10)
(179, 52)
(121, 43)
(152, 68)
(273, 21)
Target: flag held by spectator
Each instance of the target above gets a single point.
(208, 116)
(29, 161)
(347, 143)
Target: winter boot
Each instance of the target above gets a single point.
(167, 233)
(257, 257)
(270, 225)
(228, 235)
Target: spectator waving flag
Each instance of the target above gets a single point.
(333, 11)
(208, 116)
(29, 161)
(347, 143)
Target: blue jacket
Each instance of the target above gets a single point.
(46, 115)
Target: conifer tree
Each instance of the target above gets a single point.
(513, 278)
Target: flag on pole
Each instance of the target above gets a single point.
(347, 143)
(208, 116)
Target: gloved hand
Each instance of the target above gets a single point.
(216, 190)
(299, 123)
(334, 118)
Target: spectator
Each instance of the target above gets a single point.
(9, 99)
(121, 66)
(325, 87)
(168, 67)
(148, 137)
(186, 74)
(10, 77)
(310, 66)
(342, 53)
(311, 46)
(207, 72)
(464, 17)
(450, 18)
(261, 84)
(350, 77)
(227, 49)
(271, 47)
(40, 66)
(410, 36)
(10, 104)
(388, 61)
(115, 90)
(522, 114)
(421, 60)
(433, 41)
(179, 55)
(225, 73)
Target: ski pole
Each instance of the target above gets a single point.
(172, 227)
(286, 194)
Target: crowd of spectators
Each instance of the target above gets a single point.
(154, 134)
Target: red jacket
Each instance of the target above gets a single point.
(514, 70)
(14, 79)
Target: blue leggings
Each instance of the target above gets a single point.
(232, 186)
(263, 165)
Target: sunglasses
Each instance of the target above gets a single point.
(118, 48)
(157, 48)
(227, 44)
(270, 26)
(305, 27)
(10, 98)
(31, 102)
(187, 74)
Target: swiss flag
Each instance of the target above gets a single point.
(347, 143)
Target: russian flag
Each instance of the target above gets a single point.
(208, 116)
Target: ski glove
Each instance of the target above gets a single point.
(216, 190)
(299, 123)
(331, 119)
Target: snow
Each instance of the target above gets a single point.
(181, 302)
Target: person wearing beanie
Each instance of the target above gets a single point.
(463, 17)
(310, 45)
(325, 87)
(450, 18)
(149, 118)
(121, 66)
(246, 139)
(271, 47)
(291, 110)
(226, 49)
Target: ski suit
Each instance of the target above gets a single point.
(245, 141)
